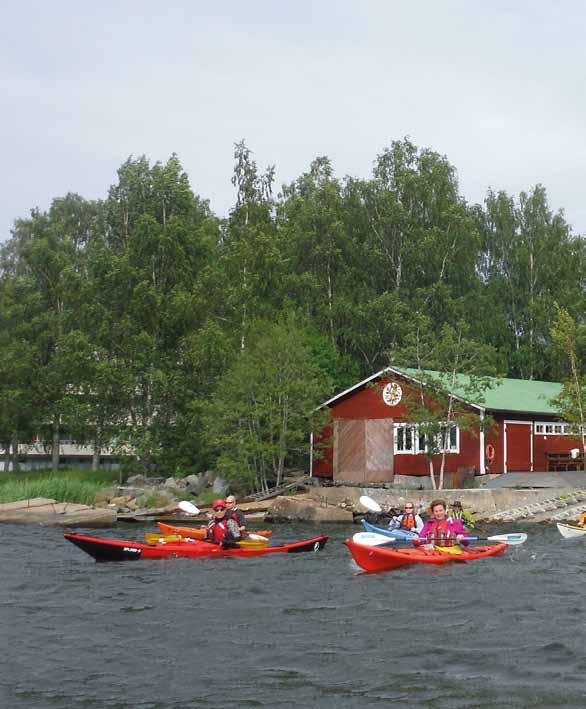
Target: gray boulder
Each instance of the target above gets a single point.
(171, 484)
(195, 483)
(220, 487)
(137, 480)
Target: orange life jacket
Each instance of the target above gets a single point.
(408, 521)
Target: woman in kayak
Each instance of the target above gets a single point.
(408, 521)
(234, 513)
(221, 530)
(440, 530)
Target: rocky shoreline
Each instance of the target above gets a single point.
(316, 505)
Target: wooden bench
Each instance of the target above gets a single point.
(563, 461)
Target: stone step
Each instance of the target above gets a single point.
(567, 506)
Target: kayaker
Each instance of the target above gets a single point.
(440, 530)
(458, 512)
(234, 513)
(582, 520)
(221, 530)
(408, 520)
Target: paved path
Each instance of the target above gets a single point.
(570, 478)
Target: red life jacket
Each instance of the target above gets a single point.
(216, 531)
(408, 521)
(440, 532)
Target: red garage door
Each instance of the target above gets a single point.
(518, 442)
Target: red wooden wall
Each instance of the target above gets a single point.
(367, 403)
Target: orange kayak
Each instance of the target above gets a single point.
(197, 532)
(377, 558)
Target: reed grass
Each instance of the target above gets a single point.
(79, 486)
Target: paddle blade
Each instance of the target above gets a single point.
(370, 504)
(257, 537)
(189, 508)
(511, 539)
(371, 539)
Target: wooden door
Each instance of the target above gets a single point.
(363, 450)
(379, 450)
(349, 441)
(519, 458)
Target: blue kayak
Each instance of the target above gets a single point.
(394, 533)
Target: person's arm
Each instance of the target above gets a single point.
(233, 529)
(209, 533)
(241, 520)
(459, 531)
(395, 522)
(420, 538)
(418, 524)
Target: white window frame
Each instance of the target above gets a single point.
(548, 428)
(416, 449)
(404, 427)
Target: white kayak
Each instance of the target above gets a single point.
(569, 531)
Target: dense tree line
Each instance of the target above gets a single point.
(146, 321)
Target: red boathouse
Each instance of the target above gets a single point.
(371, 439)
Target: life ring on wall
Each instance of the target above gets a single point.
(489, 453)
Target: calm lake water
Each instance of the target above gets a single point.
(290, 631)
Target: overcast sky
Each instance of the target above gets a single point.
(496, 86)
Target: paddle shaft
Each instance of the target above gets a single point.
(452, 540)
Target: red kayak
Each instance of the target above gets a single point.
(377, 558)
(120, 550)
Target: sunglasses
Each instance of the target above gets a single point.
(219, 509)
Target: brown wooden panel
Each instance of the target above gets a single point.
(349, 450)
(379, 457)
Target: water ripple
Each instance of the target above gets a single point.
(289, 631)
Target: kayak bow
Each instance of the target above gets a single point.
(387, 531)
(570, 531)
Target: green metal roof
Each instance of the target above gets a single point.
(525, 396)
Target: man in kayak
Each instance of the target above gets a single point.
(458, 512)
(409, 520)
(234, 513)
(440, 530)
(221, 530)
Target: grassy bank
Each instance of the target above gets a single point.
(80, 486)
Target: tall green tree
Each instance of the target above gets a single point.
(570, 339)
(529, 261)
(46, 253)
(143, 301)
(250, 257)
(264, 409)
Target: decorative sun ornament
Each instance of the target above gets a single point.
(392, 394)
